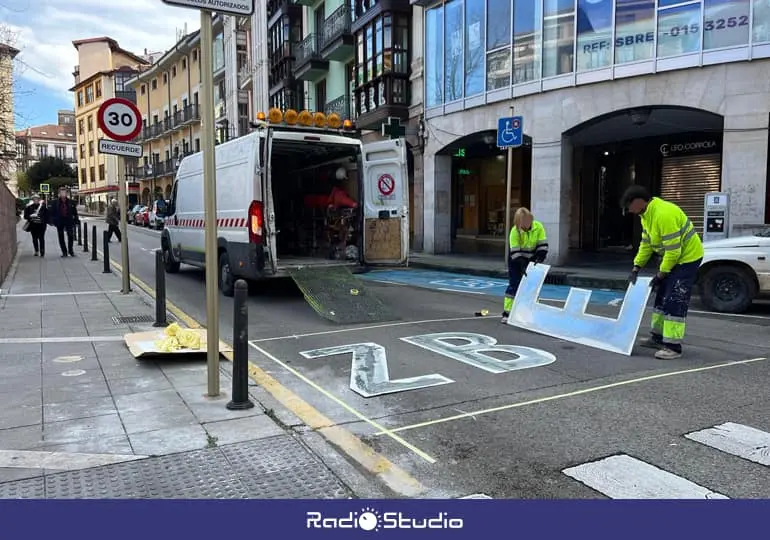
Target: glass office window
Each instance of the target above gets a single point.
(434, 54)
(526, 41)
(474, 47)
(678, 28)
(498, 23)
(558, 36)
(634, 30)
(594, 34)
(453, 50)
(725, 23)
(499, 69)
(761, 21)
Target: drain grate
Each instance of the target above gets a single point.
(133, 319)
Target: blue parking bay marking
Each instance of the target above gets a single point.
(479, 285)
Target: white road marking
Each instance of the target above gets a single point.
(62, 461)
(370, 327)
(477, 496)
(739, 315)
(388, 282)
(87, 339)
(743, 441)
(68, 293)
(67, 359)
(625, 477)
(74, 373)
(459, 291)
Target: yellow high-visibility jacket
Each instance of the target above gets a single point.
(669, 232)
(531, 241)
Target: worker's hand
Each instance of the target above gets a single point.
(538, 257)
(633, 275)
(657, 280)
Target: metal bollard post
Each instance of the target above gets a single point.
(93, 244)
(106, 252)
(85, 238)
(160, 290)
(78, 232)
(240, 349)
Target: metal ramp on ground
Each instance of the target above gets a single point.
(337, 295)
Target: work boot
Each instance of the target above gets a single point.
(651, 343)
(668, 354)
(504, 320)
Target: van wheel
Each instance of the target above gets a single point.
(226, 280)
(728, 289)
(172, 266)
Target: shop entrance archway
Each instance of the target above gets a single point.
(676, 152)
(479, 170)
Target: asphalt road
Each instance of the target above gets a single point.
(547, 431)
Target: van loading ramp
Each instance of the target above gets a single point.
(337, 295)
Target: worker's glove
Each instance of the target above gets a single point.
(657, 280)
(632, 276)
(538, 257)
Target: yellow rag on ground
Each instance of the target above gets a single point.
(179, 338)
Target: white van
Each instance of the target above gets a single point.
(273, 194)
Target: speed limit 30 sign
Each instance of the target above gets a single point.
(119, 119)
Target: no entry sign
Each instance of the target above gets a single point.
(386, 185)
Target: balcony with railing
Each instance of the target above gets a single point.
(176, 120)
(245, 76)
(126, 94)
(309, 65)
(336, 41)
(341, 106)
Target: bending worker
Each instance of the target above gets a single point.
(528, 243)
(667, 231)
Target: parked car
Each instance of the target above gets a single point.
(157, 214)
(142, 217)
(132, 213)
(735, 272)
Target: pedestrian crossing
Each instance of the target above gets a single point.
(623, 476)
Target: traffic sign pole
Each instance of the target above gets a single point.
(508, 182)
(210, 203)
(122, 203)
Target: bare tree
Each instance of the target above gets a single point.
(10, 68)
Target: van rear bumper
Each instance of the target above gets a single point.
(247, 260)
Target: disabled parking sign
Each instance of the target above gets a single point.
(510, 132)
(466, 283)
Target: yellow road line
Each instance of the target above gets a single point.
(389, 473)
(344, 405)
(546, 399)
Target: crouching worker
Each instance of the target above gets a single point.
(667, 231)
(528, 243)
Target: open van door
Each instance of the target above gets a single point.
(386, 202)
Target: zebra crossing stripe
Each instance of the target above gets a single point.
(743, 441)
(625, 477)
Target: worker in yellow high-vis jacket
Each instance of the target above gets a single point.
(668, 232)
(528, 243)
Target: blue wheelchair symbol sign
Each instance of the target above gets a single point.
(509, 132)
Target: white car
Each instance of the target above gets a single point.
(735, 271)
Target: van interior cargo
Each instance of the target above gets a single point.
(316, 201)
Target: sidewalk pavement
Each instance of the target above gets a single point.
(82, 418)
(609, 276)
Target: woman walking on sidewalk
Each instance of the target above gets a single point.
(113, 220)
(36, 215)
(528, 243)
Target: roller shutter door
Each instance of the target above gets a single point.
(685, 180)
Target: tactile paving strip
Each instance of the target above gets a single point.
(272, 468)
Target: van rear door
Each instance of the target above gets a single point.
(267, 202)
(386, 202)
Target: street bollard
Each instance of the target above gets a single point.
(106, 252)
(240, 399)
(78, 231)
(160, 290)
(85, 238)
(93, 244)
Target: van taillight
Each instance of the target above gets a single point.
(256, 222)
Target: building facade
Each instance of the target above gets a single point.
(7, 119)
(50, 140)
(670, 94)
(103, 72)
(168, 96)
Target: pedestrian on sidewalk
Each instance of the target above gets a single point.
(668, 232)
(113, 220)
(528, 244)
(63, 214)
(36, 215)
